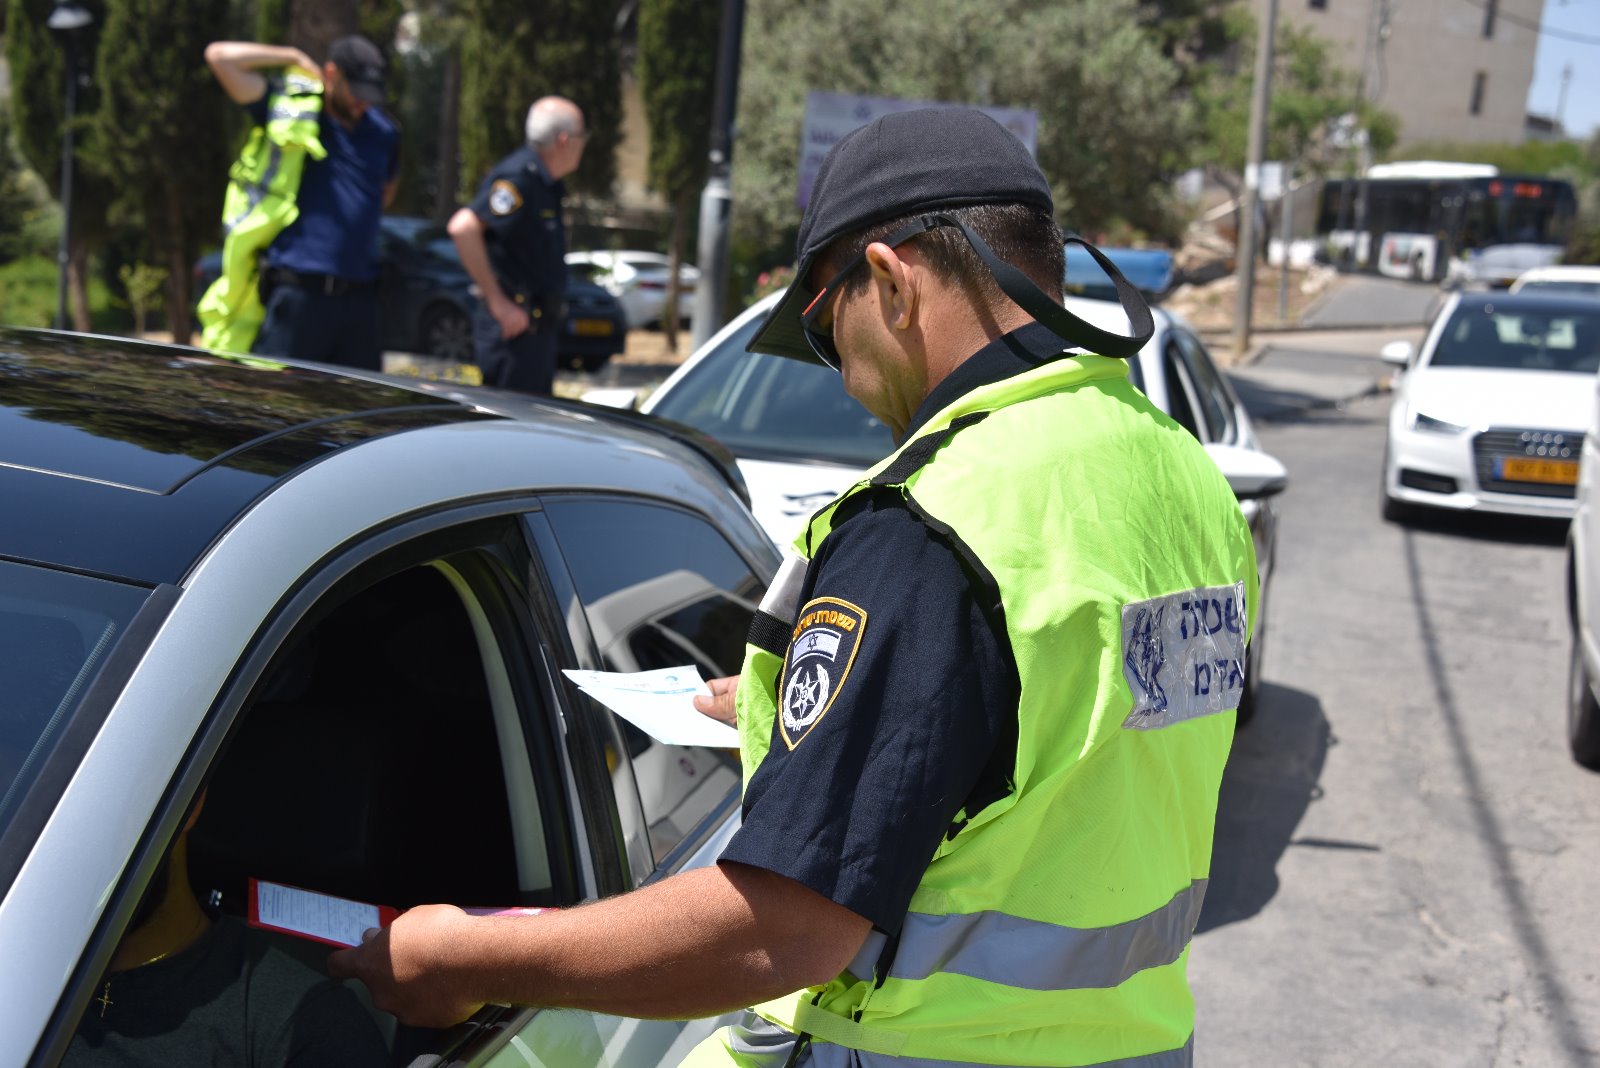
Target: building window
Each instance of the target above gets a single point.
(1318, 5)
(1480, 81)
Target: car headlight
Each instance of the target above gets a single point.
(1422, 421)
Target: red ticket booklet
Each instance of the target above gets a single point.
(308, 914)
(336, 921)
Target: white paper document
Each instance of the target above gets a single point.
(660, 703)
(319, 916)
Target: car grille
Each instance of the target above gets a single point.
(1501, 442)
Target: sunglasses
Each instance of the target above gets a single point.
(821, 339)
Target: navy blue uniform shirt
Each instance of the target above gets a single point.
(340, 198)
(914, 718)
(519, 205)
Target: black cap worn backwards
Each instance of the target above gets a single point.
(359, 60)
(927, 161)
(900, 164)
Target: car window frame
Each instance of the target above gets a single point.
(587, 648)
(424, 538)
(1192, 353)
(1175, 377)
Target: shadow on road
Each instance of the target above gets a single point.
(1271, 404)
(1476, 526)
(1272, 777)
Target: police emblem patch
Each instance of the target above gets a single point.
(504, 197)
(821, 651)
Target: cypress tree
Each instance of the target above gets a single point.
(677, 76)
(162, 133)
(515, 52)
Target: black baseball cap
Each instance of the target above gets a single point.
(927, 161)
(362, 65)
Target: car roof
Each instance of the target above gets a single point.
(1563, 272)
(1527, 300)
(127, 460)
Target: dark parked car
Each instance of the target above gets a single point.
(428, 299)
(340, 606)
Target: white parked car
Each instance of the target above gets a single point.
(1583, 601)
(800, 440)
(639, 280)
(1565, 280)
(1490, 414)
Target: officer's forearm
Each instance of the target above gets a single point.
(235, 64)
(708, 941)
(467, 232)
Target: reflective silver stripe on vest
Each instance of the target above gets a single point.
(290, 113)
(826, 1055)
(1034, 955)
(256, 193)
(754, 1037)
(782, 599)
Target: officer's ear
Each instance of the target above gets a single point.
(899, 283)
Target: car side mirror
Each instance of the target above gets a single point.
(1252, 474)
(626, 399)
(1397, 353)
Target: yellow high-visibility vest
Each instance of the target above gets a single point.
(259, 205)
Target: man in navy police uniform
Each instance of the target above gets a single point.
(320, 280)
(513, 243)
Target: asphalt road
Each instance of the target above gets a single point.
(1368, 300)
(1405, 857)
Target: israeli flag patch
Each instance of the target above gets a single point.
(1183, 655)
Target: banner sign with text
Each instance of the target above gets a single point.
(829, 116)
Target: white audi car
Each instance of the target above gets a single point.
(1490, 414)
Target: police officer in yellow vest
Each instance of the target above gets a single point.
(985, 707)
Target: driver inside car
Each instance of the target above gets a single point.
(184, 988)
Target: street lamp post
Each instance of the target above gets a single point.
(67, 21)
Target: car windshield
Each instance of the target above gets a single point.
(1565, 286)
(769, 407)
(1501, 334)
(55, 631)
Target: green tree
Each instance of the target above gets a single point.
(1112, 128)
(515, 52)
(1309, 91)
(36, 61)
(677, 75)
(163, 133)
(22, 198)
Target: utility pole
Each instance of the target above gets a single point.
(1561, 101)
(716, 202)
(1260, 105)
(1285, 238)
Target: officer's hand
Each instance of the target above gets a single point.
(512, 317)
(719, 706)
(407, 966)
(305, 62)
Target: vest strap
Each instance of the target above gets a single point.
(769, 633)
(920, 451)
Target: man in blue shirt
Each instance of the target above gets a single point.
(513, 242)
(320, 281)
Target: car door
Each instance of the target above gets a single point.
(646, 584)
(395, 734)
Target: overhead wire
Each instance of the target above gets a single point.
(1536, 25)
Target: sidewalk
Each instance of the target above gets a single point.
(1288, 376)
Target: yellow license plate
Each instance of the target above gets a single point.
(1559, 472)
(592, 327)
